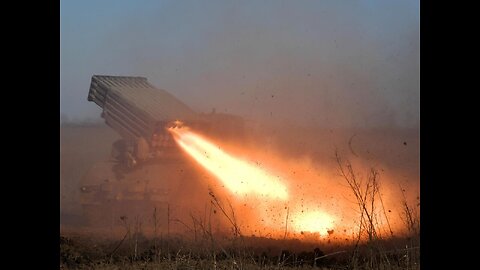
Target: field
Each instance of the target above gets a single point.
(194, 241)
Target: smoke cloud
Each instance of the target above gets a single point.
(322, 63)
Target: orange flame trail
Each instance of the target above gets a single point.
(239, 176)
(311, 201)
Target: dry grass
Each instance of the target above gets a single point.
(373, 254)
(85, 253)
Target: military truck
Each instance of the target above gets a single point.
(146, 169)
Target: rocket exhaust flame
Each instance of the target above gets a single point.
(315, 221)
(242, 178)
(239, 176)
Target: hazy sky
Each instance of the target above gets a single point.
(328, 63)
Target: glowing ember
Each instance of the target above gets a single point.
(313, 222)
(239, 176)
